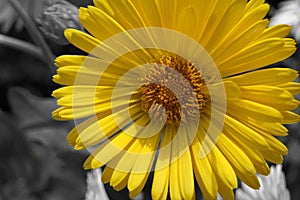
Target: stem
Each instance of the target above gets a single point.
(35, 34)
(21, 45)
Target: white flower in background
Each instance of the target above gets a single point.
(288, 13)
(95, 187)
(273, 187)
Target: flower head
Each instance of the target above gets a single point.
(273, 187)
(55, 18)
(174, 87)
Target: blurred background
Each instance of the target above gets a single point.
(36, 162)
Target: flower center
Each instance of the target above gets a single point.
(173, 90)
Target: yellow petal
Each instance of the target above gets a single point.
(119, 179)
(241, 133)
(113, 147)
(187, 18)
(272, 157)
(252, 4)
(271, 96)
(81, 40)
(174, 181)
(137, 181)
(279, 31)
(167, 12)
(225, 175)
(104, 5)
(240, 162)
(69, 113)
(185, 167)
(252, 110)
(149, 11)
(160, 183)
(275, 129)
(143, 165)
(109, 27)
(162, 169)
(238, 42)
(233, 14)
(256, 158)
(93, 121)
(106, 175)
(289, 117)
(257, 55)
(232, 90)
(203, 171)
(210, 13)
(71, 75)
(92, 163)
(81, 89)
(292, 87)
(252, 17)
(126, 160)
(272, 76)
(91, 17)
(96, 97)
(108, 151)
(222, 168)
(69, 60)
(275, 144)
(126, 10)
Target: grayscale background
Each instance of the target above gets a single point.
(36, 162)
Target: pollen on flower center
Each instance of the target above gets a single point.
(175, 85)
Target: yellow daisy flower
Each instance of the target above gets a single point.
(175, 87)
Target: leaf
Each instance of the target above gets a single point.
(58, 168)
(30, 109)
(8, 17)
